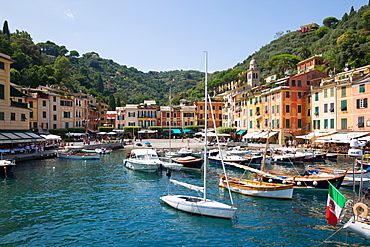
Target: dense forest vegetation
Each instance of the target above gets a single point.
(343, 43)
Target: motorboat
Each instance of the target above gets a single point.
(7, 166)
(145, 160)
(189, 162)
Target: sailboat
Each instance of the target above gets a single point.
(257, 187)
(360, 220)
(200, 205)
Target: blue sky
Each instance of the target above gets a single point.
(167, 35)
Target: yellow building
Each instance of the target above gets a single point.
(13, 114)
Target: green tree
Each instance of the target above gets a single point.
(330, 22)
(99, 83)
(321, 31)
(6, 30)
(62, 68)
(112, 102)
(366, 19)
(74, 54)
(283, 63)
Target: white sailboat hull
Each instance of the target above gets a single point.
(359, 227)
(197, 205)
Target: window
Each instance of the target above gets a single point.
(343, 105)
(219, 108)
(55, 117)
(54, 126)
(299, 83)
(2, 116)
(250, 124)
(343, 122)
(299, 95)
(277, 123)
(325, 107)
(287, 94)
(308, 83)
(309, 112)
(266, 122)
(30, 104)
(2, 65)
(31, 114)
(343, 90)
(201, 107)
(299, 109)
(332, 123)
(331, 107)
(317, 110)
(44, 114)
(250, 112)
(2, 91)
(266, 109)
(273, 109)
(265, 98)
(361, 103)
(332, 92)
(326, 123)
(131, 114)
(287, 123)
(12, 116)
(250, 101)
(44, 103)
(316, 96)
(362, 88)
(293, 83)
(55, 100)
(273, 124)
(23, 117)
(361, 122)
(278, 109)
(325, 93)
(65, 114)
(299, 123)
(287, 109)
(54, 108)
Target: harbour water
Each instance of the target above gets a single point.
(60, 202)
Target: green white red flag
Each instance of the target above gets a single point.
(334, 205)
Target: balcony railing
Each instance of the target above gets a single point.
(19, 104)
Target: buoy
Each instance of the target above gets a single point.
(364, 209)
(270, 180)
(284, 182)
(299, 183)
(314, 183)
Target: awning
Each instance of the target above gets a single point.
(264, 134)
(75, 134)
(189, 131)
(342, 137)
(19, 137)
(147, 131)
(241, 132)
(212, 134)
(253, 135)
(176, 131)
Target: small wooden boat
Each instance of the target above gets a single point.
(257, 188)
(79, 156)
(351, 176)
(189, 162)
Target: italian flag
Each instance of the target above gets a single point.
(334, 205)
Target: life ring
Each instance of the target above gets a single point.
(364, 208)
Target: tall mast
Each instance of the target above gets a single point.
(205, 125)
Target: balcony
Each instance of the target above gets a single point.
(19, 104)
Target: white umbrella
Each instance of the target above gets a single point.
(52, 137)
(111, 133)
(101, 133)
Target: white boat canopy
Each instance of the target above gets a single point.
(342, 137)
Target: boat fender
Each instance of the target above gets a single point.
(299, 183)
(314, 183)
(364, 208)
(284, 182)
(270, 180)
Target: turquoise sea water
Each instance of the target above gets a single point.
(60, 202)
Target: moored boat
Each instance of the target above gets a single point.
(257, 188)
(145, 160)
(76, 155)
(7, 166)
(189, 162)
